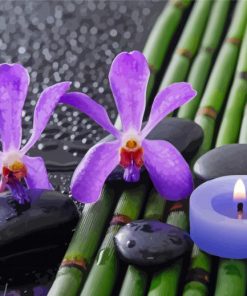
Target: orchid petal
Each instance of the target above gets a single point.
(14, 81)
(167, 101)
(128, 78)
(44, 108)
(37, 176)
(168, 170)
(92, 109)
(93, 170)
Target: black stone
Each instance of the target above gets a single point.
(184, 134)
(36, 234)
(150, 243)
(223, 161)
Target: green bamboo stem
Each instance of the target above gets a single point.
(166, 282)
(221, 76)
(236, 102)
(231, 280)
(160, 37)
(202, 65)
(243, 131)
(104, 272)
(232, 274)
(83, 245)
(188, 44)
(135, 281)
(216, 88)
(200, 261)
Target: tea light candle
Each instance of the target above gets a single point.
(218, 217)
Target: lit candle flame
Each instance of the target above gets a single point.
(239, 192)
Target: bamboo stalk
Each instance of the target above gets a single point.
(166, 282)
(135, 281)
(83, 246)
(236, 102)
(243, 131)
(188, 44)
(202, 65)
(198, 276)
(159, 40)
(216, 88)
(104, 272)
(160, 37)
(221, 76)
(232, 274)
(231, 279)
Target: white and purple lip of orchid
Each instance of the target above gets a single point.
(14, 164)
(168, 170)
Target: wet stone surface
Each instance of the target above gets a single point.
(31, 232)
(223, 161)
(151, 243)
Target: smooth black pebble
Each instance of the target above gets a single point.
(223, 161)
(36, 234)
(151, 243)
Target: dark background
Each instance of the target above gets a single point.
(68, 40)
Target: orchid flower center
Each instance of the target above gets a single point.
(13, 165)
(131, 158)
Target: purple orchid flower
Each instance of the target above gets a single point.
(168, 170)
(15, 164)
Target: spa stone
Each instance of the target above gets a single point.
(29, 229)
(223, 161)
(151, 243)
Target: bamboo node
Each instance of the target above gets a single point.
(233, 40)
(208, 49)
(79, 264)
(178, 3)
(207, 111)
(198, 275)
(152, 68)
(243, 75)
(120, 219)
(178, 206)
(185, 53)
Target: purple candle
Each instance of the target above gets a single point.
(218, 217)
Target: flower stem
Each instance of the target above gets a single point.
(83, 245)
(202, 65)
(104, 272)
(188, 44)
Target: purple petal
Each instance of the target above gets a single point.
(14, 81)
(36, 173)
(167, 101)
(132, 173)
(128, 78)
(44, 108)
(168, 170)
(93, 170)
(18, 191)
(92, 109)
